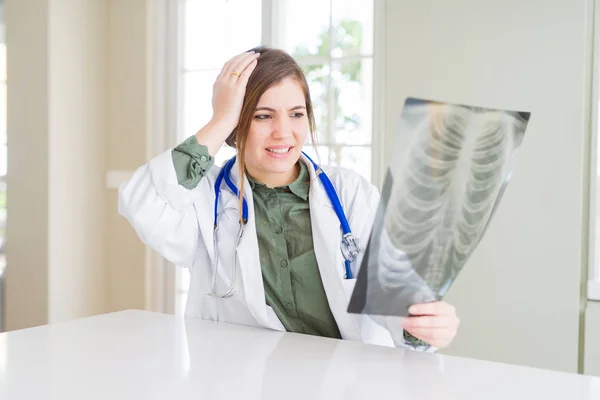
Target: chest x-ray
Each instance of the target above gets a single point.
(450, 167)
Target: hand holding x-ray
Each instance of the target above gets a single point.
(450, 167)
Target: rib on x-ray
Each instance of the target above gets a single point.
(450, 166)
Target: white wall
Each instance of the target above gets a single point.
(129, 109)
(519, 296)
(592, 339)
(28, 136)
(77, 103)
(56, 51)
(78, 106)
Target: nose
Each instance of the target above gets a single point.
(282, 128)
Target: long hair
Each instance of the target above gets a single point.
(273, 67)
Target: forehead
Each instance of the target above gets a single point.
(286, 93)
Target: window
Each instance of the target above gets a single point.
(331, 40)
(212, 32)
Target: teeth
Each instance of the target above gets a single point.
(279, 151)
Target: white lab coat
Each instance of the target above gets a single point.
(178, 224)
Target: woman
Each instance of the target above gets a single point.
(271, 256)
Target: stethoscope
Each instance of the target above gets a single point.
(349, 246)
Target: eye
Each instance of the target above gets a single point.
(262, 116)
(297, 115)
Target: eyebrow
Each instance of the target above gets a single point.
(273, 110)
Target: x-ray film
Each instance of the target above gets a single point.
(450, 166)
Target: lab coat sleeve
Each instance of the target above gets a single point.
(392, 323)
(161, 211)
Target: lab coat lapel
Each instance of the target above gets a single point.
(206, 219)
(249, 261)
(326, 239)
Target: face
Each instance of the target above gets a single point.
(277, 133)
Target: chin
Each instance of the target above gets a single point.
(279, 166)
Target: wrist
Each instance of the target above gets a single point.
(213, 135)
(221, 127)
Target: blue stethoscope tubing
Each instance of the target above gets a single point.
(350, 247)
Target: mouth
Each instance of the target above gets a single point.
(279, 151)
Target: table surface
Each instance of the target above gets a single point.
(143, 355)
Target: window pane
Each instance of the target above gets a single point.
(304, 27)
(197, 110)
(216, 30)
(197, 101)
(352, 27)
(357, 158)
(317, 77)
(224, 154)
(353, 97)
(322, 156)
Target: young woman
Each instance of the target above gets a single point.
(261, 236)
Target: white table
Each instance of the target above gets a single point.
(142, 355)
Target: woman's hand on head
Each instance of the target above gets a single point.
(228, 97)
(435, 323)
(229, 90)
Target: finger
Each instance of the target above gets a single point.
(247, 72)
(227, 67)
(242, 64)
(438, 321)
(433, 308)
(235, 63)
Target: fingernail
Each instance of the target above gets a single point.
(413, 309)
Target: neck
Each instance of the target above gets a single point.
(275, 179)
